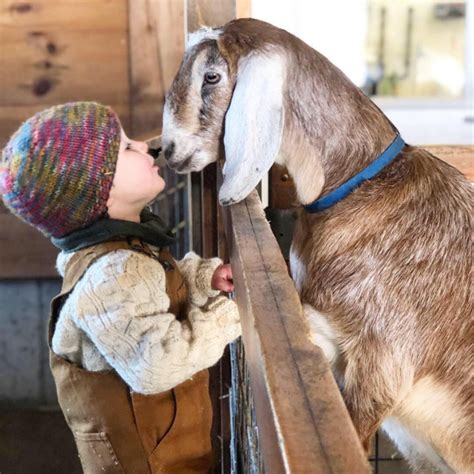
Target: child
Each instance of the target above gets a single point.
(133, 331)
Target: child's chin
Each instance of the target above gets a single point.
(160, 188)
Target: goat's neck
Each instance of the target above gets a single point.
(325, 151)
(332, 130)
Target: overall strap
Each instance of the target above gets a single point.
(83, 259)
(80, 262)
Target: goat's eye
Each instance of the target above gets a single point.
(212, 77)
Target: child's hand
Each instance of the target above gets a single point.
(222, 279)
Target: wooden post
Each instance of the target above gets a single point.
(156, 46)
(212, 242)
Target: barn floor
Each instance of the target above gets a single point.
(36, 442)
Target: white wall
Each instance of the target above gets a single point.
(336, 29)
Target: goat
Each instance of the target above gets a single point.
(384, 274)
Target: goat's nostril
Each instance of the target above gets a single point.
(169, 150)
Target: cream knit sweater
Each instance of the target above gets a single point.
(117, 316)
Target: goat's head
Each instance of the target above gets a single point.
(225, 88)
(271, 98)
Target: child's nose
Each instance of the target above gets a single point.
(141, 147)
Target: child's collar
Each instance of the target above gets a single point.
(151, 230)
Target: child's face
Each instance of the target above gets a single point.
(136, 180)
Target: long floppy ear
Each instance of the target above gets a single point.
(253, 125)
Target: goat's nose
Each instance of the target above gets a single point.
(169, 150)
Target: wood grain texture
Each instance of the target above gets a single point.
(83, 42)
(459, 156)
(24, 251)
(64, 14)
(84, 66)
(156, 46)
(55, 51)
(303, 424)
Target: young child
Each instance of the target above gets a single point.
(133, 331)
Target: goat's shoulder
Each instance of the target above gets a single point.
(404, 234)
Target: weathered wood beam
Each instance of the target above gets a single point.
(303, 423)
(459, 156)
(156, 46)
(24, 251)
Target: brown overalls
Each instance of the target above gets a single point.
(115, 429)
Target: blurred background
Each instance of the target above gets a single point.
(414, 57)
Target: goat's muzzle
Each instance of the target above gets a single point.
(169, 150)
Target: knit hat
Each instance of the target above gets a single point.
(57, 168)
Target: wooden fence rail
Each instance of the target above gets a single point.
(303, 424)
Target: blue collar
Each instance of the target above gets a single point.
(346, 188)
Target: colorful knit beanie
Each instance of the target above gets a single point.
(57, 168)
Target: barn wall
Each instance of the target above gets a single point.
(24, 372)
(123, 53)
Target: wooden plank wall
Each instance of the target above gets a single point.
(54, 51)
(123, 53)
(156, 44)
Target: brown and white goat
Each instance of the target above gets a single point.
(385, 274)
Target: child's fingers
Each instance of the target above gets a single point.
(222, 278)
(228, 271)
(226, 285)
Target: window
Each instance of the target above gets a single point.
(415, 58)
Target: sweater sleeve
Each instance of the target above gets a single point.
(123, 309)
(198, 273)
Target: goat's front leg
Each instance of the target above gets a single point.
(370, 390)
(369, 386)
(321, 333)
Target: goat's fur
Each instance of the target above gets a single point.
(385, 275)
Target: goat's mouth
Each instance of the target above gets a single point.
(182, 166)
(195, 161)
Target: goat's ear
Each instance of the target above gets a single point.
(253, 125)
